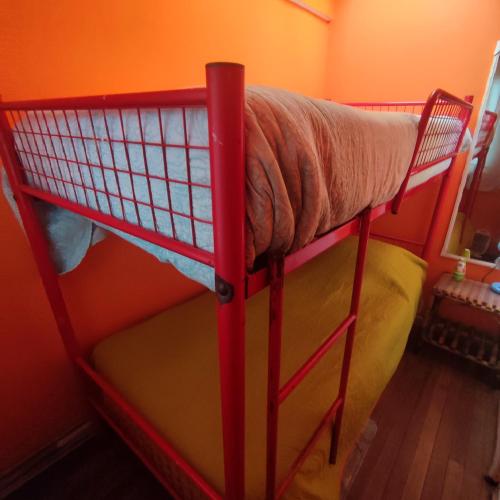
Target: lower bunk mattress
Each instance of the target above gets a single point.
(167, 367)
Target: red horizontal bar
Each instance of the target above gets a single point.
(107, 169)
(109, 141)
(298, 258)
(377, 212)
(147, 428)
(424, 166)
(443, 96)
(309, 446)
(260, 279)
(300, 374)
(166, 98)
(120, 197)
(177, 246)
(388, 103)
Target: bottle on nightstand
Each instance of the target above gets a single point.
(459, 273)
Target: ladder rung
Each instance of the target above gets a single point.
(310, 444)
(299, 375)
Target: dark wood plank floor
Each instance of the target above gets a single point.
(436, 434)
(435, 438)
(101, 469)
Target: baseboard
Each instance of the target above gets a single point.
(14, 478)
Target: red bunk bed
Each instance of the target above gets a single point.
(442, 124)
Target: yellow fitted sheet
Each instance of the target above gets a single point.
(167, 365)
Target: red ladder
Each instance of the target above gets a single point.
(277, 394)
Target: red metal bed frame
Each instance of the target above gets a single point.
(224, 99)
(482, 146)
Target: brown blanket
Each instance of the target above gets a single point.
(314, 164)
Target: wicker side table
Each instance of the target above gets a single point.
(462, 340)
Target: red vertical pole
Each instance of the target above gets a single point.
(438, 206)
(464, 116)
(37, 240)
(276, 269)
(364, 233)
(225, 100)
(422, 126)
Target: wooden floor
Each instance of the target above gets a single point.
(101, 469)
(435, 438)
(436, 435)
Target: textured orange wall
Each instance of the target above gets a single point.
(377, 49)
(387, 50)
(63, 48)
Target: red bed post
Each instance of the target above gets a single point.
(37, 240)
(464, 115)
(225, 99)
(438, 206)
(364, 234)
(276, 273)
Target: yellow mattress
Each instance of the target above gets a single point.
(167, 365)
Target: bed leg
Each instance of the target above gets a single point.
(225, 105)
(364, 233)
(464, 116)
(38, 241)
(231, 333)
(276, 271)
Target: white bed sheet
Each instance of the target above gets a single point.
(77, 149)
(427, 174)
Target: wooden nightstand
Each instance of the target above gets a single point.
(462, 340)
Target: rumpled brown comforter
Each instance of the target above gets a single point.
(314, 164)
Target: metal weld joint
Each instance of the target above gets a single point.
(224, 290)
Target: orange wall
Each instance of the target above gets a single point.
(377, 49)
(399, 50)
(63, 48)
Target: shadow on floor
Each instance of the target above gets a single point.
(101, 469)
